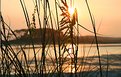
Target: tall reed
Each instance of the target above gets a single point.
(64, 46)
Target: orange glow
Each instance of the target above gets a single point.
(71, 11)
(106, 13)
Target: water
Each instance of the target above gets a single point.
(84, 50)
(87, 57)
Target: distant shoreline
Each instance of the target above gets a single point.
(24, 38)
(15, 42)
(104, 44)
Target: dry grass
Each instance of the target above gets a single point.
(40, 62)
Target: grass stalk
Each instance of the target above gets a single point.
(95, 33)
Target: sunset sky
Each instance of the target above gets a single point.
(107, 14)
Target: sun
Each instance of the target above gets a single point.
(71, 11)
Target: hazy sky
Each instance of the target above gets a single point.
(106, 12)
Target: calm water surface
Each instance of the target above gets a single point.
(85, 50)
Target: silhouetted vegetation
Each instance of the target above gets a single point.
(57, 51)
